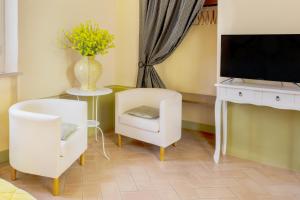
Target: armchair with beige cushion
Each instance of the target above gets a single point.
(163, 130)
(47, 136)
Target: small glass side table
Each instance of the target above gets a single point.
(92, 123)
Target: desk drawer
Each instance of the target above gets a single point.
(243, 95)
(276, 99)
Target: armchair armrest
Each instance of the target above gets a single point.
(126, 100)
(170, 118)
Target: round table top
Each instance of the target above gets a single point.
(85, 93)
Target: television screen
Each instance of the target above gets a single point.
(264, 57)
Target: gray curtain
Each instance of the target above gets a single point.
(163, 25)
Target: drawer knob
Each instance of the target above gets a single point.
(277, 98)
(240, 94)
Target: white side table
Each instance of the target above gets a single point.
(93, 123)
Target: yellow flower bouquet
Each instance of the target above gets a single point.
(88, 39)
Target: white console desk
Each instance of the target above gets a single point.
(256, 94)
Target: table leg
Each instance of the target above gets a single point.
(95, 118)
(218, 107)
(96, 109)
(93, 114)
(224, 124)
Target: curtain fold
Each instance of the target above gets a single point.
(163, 25)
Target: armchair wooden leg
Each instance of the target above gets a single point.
(119, 140)
(162, 154)
(56, 186)
(13, 174)
(174, 144)
(81, 159)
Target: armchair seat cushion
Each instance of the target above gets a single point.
(140, 123)
(144, 112)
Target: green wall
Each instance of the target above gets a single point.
(4, 156)
(264, 134)
(198, 127)
(107, 108)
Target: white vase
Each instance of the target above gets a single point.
(88, 71)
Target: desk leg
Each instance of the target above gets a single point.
(218, 110)
(224, 123)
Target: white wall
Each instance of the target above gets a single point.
(191, 68)
(8, 96)
(258, 133)
(47, 69)
(127, 42)
(11, 35)
(257, 17)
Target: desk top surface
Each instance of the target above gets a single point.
(288, 89)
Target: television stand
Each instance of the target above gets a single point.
(283, 97)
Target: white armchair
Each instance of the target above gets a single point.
(35, 145)
(164, 131)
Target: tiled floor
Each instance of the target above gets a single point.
(135, 173)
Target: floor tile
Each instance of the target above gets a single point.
(189, 173)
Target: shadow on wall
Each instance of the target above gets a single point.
(71, 57)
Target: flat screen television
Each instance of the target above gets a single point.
(263, 57)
